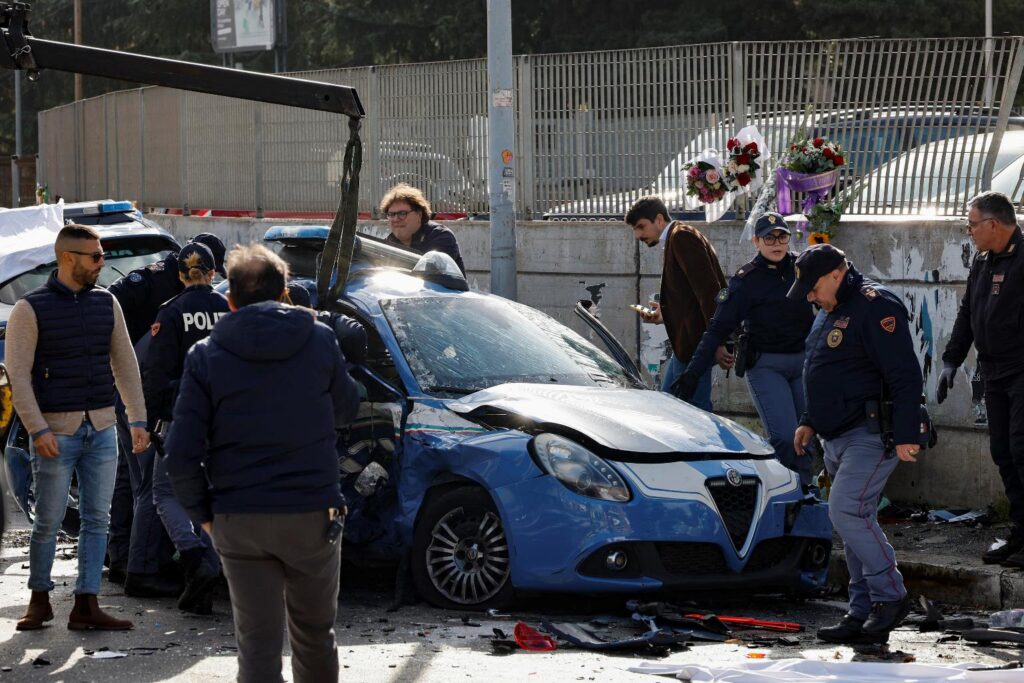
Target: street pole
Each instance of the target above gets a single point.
(501, 175)
(988, 54)
(15, 169)
(281, 40)
(78, 41)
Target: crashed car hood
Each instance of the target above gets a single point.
(629, 420)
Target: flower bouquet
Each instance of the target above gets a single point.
(810, 166)
(704, 181)
(742, 167)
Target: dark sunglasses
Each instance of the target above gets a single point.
(97, 256)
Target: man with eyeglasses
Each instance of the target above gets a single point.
(408, 213)
(773, 332)
(991, 318)
(67, 349)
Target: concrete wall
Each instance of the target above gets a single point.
(925, 262)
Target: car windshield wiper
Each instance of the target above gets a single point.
(462, 391)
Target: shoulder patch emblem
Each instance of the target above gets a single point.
(134, 277)
(159, 265)
(722, 295)
(835, 338)
(842, 323)
(888, 323)
(154, 328)
(870, 292)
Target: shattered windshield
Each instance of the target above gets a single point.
(459, 345)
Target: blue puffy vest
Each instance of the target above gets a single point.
(72, 371)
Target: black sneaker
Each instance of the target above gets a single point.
(1014, 544)
(885, 616)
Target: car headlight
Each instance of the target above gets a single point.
(578, 469)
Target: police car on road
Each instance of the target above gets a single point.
(129, 240)
(504, 452)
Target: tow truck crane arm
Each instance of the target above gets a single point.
(24, 52)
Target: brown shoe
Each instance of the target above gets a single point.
(38, 611)
(86, 614)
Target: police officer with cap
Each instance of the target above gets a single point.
(774, 329)
(990, 318)
(181, 322)
(137, 542)
(861, 353)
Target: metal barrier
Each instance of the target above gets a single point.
(923, 121)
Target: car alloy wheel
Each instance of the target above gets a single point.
(463, 552)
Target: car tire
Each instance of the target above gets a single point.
(460, 551)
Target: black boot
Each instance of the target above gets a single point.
(1014, 544)
(150, 586)
(201, 583)
(885, 616)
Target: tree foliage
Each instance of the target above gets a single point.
(334, 33)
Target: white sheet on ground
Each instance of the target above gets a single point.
(810, 671)
(27, 236)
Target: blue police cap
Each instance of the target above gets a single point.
(216, 247)
(815, 262)
(770, 221)
(196, 255)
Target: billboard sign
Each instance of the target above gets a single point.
(242, 25)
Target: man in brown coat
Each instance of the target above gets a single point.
(690, 280)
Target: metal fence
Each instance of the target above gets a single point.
(923, 121)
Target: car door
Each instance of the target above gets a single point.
(612, 345)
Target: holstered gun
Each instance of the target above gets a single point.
(746, 354)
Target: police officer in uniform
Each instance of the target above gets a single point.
(862, 352)
(137, 541)
(774, 330)
(990, 318)
(181, 322)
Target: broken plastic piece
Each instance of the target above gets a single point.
(580, 636)
(531, 639)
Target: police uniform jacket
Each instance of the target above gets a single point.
(181, 322)
(757, 295)
(690, 280)
(433, 237)
(142, 291)
(863, 342)
(991, 313)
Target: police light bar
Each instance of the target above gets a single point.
(98, 208)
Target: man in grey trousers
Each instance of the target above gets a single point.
(251, 456)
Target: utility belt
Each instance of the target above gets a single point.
(746, 352)
(878, 415)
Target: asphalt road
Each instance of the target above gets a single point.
(417, 643)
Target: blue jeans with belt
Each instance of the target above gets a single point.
(859, 468)
(702, 396)
(777, 389)
(92, 455)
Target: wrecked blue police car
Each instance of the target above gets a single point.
(500, 451)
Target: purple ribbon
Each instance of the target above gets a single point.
(815, 185)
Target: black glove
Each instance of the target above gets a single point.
(685, 386)
(945, 382)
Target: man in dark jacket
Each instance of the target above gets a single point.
(251, 456)
(408, 213)
(990, 319)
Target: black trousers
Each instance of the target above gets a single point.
(1004, 400)
(281, 566)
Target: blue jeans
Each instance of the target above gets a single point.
(859, 468)
(92, 455)
(777, 389)
(702, 396)
(176, 521)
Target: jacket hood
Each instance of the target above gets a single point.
(632, 421)
(265, 331)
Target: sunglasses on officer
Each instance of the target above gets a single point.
(771, 238)
(97, 256)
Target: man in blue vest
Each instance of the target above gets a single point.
(67, 348)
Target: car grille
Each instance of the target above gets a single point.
(772, 552)
(735, 505)
(692, 558)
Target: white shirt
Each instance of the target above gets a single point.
(664, 234)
